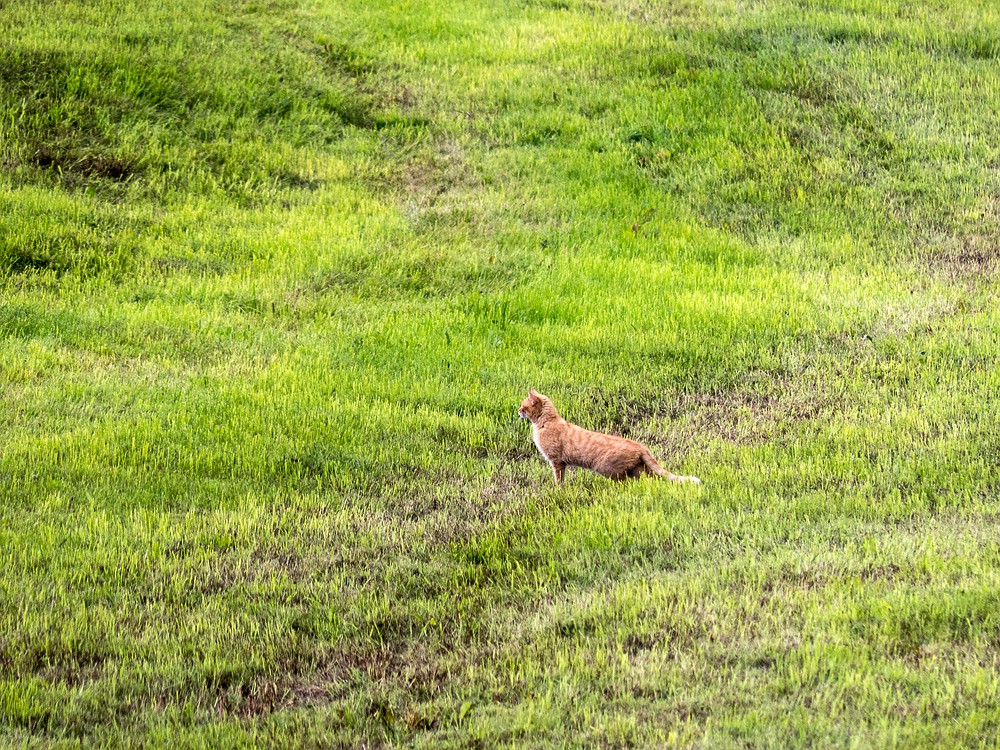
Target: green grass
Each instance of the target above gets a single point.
(274, 278)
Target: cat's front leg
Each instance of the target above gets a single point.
(558, 469)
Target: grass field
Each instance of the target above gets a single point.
(275, 276)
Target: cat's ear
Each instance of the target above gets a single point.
(533, 393)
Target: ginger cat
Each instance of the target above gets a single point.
(564, 444)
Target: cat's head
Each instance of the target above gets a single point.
(532, 406)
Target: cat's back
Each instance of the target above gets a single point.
(582, 445)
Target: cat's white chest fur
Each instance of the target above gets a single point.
(534, 436)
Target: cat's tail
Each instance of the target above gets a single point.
(654, 468)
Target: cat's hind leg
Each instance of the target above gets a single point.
(637, 470)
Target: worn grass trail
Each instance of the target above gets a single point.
(274, 278)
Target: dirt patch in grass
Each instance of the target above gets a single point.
(815, 87)
(427, 179)
(977, 255)
(745, 418)
(644, 11)
(75, 148)
(887, 572)
(57, 662)
(292, 686)
(969, 255)
(505, 490)
(192, 266)
(377, 670)
(636, 643)
(261, 564)
(737, 415)
(505, 495)
(103, 166)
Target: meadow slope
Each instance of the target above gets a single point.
(274, 277)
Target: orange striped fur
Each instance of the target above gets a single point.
(564, 444)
